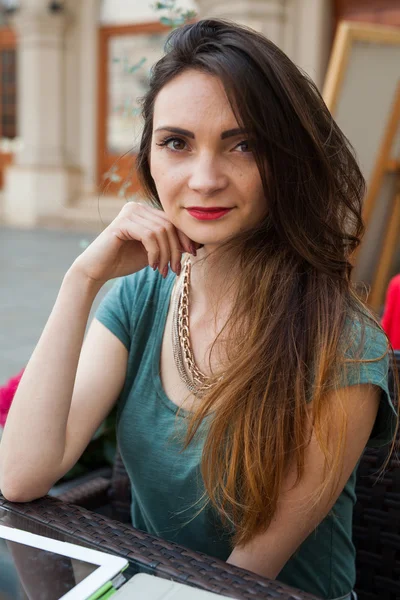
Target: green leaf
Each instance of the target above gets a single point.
(189, 14)
(112, 175)
(177, 22)
(84, 244)
(166, 21)
(126, 185)
(138, 65)
(109, 449)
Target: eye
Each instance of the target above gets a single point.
(173, 143)
(245, 146)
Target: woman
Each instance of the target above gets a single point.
(240, 426)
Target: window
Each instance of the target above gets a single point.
(8, 100)
(8, 97)
(126, 55)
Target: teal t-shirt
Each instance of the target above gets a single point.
(166, 481)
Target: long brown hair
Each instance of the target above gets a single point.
(295, 276)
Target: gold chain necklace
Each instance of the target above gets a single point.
(197, 383)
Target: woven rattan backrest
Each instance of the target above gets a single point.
(376, 521)
(120, 491)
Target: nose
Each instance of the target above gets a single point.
(207, 175)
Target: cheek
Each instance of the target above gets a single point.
(251, 185)
(253, 191)
(155, 166)
(159, 175)
(166, 184)
(162, 172)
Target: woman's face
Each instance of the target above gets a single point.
(200, 158)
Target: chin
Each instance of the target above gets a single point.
(208, 233)
(211, 241)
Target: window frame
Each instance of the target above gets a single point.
(105, 160)
(8, 41)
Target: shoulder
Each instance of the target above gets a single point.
(143, 285)
(365, 353)
(367, 360)
(364, 339)
(133, 300)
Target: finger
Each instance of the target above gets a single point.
(139, 230)
(186, 243)
(176, 247)
(140, 213)
(173, 241)
(163, 242)
(160, 227)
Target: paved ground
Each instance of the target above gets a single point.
(32, 265)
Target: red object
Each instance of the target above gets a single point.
(7, 393)
(208, 215)
(391, 313)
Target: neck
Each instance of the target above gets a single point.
(213, 279)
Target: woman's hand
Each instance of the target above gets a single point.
(139, 236)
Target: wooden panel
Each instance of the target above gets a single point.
(8, 98)
(385, 12)
(7, 38)
(124, 163)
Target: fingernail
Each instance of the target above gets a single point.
(165, 272)
(193, 250)
(178, 269)
(155, 266)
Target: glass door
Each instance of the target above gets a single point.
(8, 98)
(126, 56)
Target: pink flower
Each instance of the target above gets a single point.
(7, 393)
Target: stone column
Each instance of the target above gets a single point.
(40, 181)
(88, 98)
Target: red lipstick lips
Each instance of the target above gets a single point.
(207, 214)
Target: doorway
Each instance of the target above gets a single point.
(8, 98)
(126, 53)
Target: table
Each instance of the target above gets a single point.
(145, 553)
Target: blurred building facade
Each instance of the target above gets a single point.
(70, 75)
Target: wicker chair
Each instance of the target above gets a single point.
(376, 522)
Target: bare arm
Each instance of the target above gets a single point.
(67, 390)
(58, 406)
(268, 552)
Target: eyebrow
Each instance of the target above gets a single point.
(224, 135)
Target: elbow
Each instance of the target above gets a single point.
(20, 491)
(14, 494)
